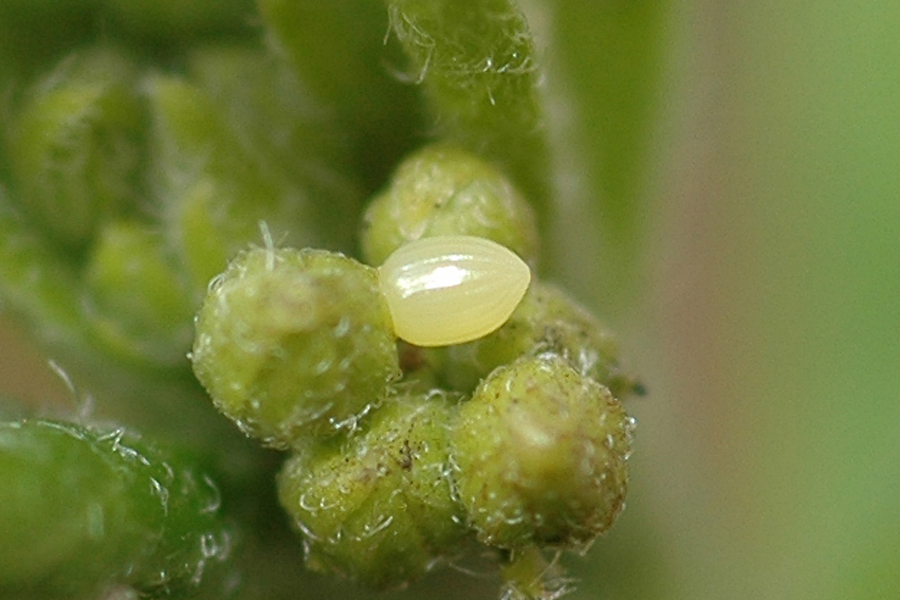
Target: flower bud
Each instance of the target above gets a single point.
(378, 507)
(76, 147)
(86, 508)
(541, 454)
(137, 299)
(291, 343)
(212, 191)
(441, 190)
(547, 320)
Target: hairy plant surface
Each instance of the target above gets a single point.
(195, 200)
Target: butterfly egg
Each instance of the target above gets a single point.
(451, 289)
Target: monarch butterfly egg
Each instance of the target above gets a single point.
(452, 289)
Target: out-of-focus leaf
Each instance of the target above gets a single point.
(86, 509)
(817, 195)
(340, 51)
(275, 118)
(169, 22)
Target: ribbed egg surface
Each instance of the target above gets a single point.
(452, 289)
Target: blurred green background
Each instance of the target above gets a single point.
(751, 265)
(768, 322)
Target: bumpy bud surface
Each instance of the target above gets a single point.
(379, 507)
(547, 320)
(442, 190)
(291, 343)
(541, 455)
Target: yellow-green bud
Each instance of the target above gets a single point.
(547, 320)
(541, 455)
(76, 147)
(212, 191)
(441, 190)
(137, 300)
(378, 507)
(294, 343)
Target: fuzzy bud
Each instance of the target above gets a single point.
(292, 343)
(379, 508)
(541, 455)
(441, 190)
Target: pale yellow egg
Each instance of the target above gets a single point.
(452, 289)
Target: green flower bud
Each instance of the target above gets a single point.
(85, 509)
(378, 507)
(213, 193)
(292, 343)
(77, 145)
(137, 299)
(541, 455)
(442, 190)
(547, 320)
(275, 117)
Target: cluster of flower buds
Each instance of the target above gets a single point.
(491, 416)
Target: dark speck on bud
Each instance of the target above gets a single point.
(377, 506)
